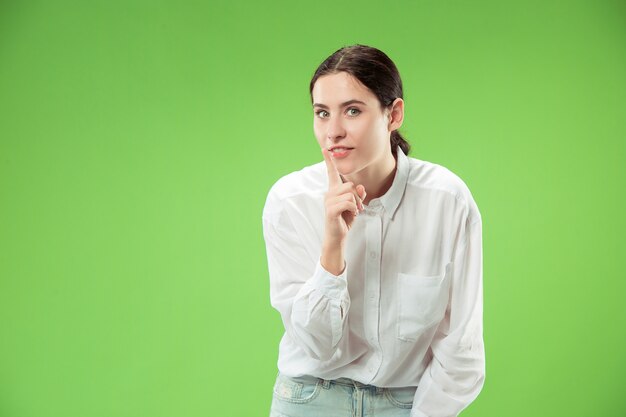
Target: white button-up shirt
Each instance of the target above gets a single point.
(406, 310)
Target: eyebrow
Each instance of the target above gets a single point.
(344, 104)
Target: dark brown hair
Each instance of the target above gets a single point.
(374, 69)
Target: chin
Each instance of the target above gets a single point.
(347, 169)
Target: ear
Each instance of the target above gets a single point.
(395, 115)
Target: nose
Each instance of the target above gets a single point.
(335, 129)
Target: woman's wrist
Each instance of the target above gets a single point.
(332, 258)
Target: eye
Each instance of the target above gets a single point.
(318, 113)
(355, 109)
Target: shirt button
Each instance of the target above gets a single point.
(373, 255)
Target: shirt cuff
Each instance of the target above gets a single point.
(333, 286)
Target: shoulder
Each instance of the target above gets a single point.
(308, 183)
(428, 175)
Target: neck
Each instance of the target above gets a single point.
(376, 180)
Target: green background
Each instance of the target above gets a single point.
(139, 140)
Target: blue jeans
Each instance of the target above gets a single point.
(308, 396)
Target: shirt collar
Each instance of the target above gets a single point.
(391, 199)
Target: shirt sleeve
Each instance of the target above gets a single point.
(313, 303)
(456, 373)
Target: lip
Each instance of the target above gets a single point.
(340, 154)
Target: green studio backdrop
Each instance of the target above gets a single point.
(138, 140)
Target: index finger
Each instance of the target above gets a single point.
(334, 178)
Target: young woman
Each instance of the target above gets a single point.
(375, 261)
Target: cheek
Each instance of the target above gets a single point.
(378, 130)
(317, 131)
(359, 128)
(367, 130)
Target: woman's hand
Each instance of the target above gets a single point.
(343, 202)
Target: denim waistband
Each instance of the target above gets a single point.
(340, 381)
(352, 383)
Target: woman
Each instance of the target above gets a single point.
(375, 261)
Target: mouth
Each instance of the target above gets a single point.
(339, 151)
(338, 148)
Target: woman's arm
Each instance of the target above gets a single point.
(313, 303)
(456, 373)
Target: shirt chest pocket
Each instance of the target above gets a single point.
(422, 302)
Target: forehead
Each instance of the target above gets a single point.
(333, 89)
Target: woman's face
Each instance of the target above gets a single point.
(348, 114)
